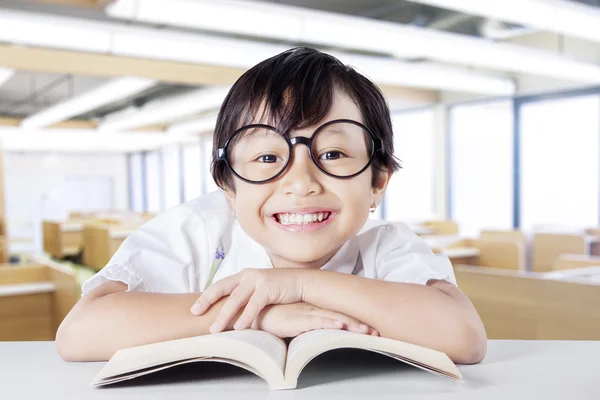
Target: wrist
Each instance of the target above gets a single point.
(309, 284)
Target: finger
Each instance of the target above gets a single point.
(374, 332)
(350, 324)
(257, 302)
(238, 299)
(211, 295)
(358, 327)
(315, 322)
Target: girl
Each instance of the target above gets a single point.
(303, 150)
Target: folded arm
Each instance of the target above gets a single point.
(108, 319)
(437, 315)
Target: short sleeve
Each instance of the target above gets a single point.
(159, 256)
(398, 255)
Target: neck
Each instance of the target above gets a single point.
(280, 262)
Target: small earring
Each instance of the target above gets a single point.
(373, 208)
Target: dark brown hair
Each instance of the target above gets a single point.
(296, 89)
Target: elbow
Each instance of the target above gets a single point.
(471, 344)
(72, 338)
(69, 342)
(65, 346)
(74, 344)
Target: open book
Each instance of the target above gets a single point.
(265, 355)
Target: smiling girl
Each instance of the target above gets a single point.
(303, 150)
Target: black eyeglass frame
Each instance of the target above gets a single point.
(222, 151)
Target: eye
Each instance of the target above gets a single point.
(268, 158)
(331, 155)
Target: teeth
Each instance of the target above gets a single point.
(301, 219)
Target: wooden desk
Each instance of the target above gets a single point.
(527, 306)
(511, 370)
(493, 253)
(586, 275)
(34, 300)
(462, 255)
(574, 261)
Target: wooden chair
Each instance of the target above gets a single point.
(504, 254)
(547, 247)
(525, 306)
(509, 235)
(441, 227)
(34, 300)
(101, 242)
(62, 239)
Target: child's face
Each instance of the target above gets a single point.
(259, 208)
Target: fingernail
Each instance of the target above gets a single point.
(237, 325)
(214, 328)
(338, 323)
(363, 328)
(195, 309)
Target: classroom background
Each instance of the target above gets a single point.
(107, 109)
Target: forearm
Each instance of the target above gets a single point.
(419, 314)
(96, 328)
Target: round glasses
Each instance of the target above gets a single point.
(341, 148)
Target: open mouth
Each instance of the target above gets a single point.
(301, 219)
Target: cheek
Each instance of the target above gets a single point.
(355, 194)
(249, 201)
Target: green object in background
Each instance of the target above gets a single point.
(81, 272)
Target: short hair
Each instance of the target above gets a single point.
(296, 89)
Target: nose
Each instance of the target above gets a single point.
(301, 175)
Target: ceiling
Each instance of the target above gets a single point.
(28, 92)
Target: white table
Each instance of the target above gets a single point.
(512, 370)
(460, 252)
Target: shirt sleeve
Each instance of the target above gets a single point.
(399, 255)
(159, 256)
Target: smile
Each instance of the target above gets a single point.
(301, 219)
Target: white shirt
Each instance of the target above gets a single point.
(174, 252)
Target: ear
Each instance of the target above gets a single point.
(230, 194)
(378, 190)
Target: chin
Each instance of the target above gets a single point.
(305, 256)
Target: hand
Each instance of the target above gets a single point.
(254, 289)
(290, 320)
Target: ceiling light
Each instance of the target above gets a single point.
(228, 52)
(194, 126)
(166, 110)
(565, 17)
(322, 28)
(114, 90)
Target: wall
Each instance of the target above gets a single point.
(48, 185)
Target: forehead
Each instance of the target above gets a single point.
(342, 107)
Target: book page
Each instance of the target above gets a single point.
(147, 371)
(307, 346)
(260, 351)
(268, 343)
